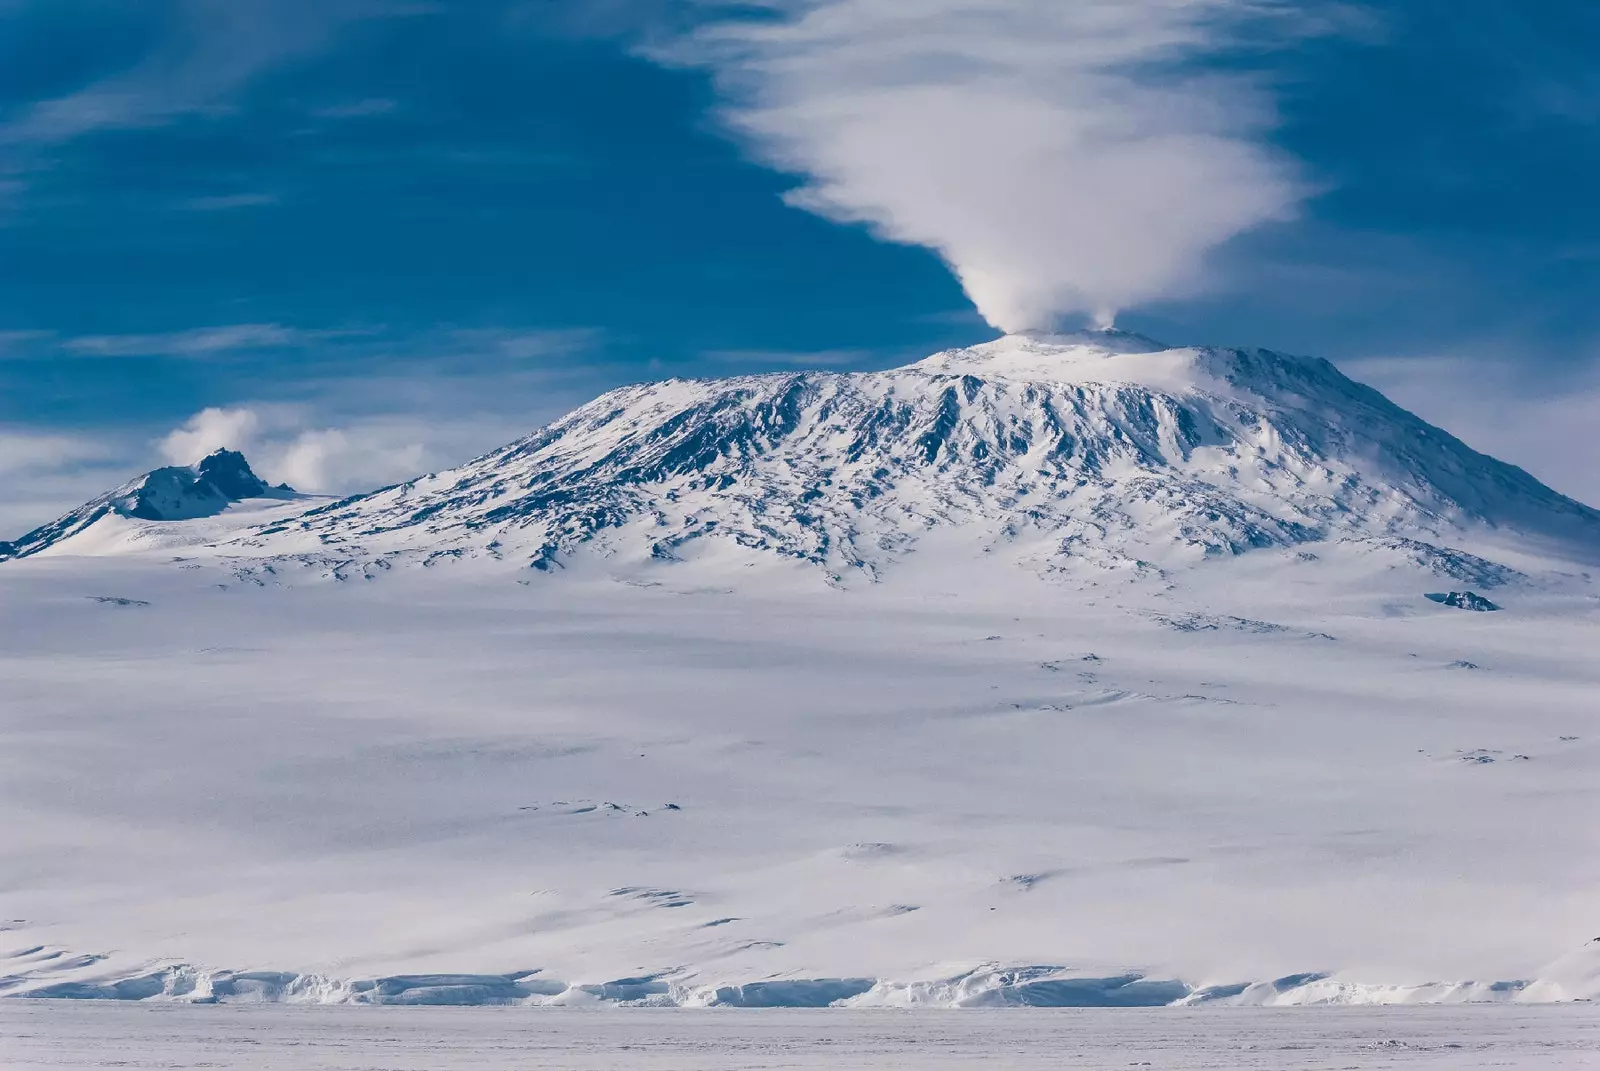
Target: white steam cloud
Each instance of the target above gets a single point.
(280, 445)
(1064, 157)
(208, 431)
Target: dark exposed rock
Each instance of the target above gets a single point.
(1463, 600)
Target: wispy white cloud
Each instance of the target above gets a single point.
(213, 49)
(42, 468)
(357, 109)
(522, 344)
(197, 342)
(1544, 422)
(1063, 158)
(225, 202)
(790, 358)
(443, 343)
(12, 342)
(25, 450)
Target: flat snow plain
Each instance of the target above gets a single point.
(958, 787)
(55, 1036)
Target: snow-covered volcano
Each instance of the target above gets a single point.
(1102, 448)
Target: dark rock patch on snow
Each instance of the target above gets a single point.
(654, 897)
(1463, 600)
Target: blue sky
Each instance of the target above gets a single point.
(370, 237)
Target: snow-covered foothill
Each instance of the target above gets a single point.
(131, 514)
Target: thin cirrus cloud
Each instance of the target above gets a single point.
(40, 469)
(229, 201)
(454, 343)
(25, 450)
(211, 49)
(197, 342)
(790, 358)
(1543, 423)
(18, 342)
(359, 109)
(1064, 159)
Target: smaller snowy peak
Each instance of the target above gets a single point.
(184, 492)
(173, 493)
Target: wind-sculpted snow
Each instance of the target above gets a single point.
(1101, 449)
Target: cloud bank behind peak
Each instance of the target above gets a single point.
(1069, 158)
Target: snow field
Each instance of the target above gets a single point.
(905, 794)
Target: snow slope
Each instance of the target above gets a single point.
(1144, 703)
